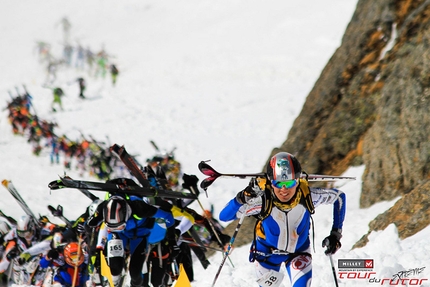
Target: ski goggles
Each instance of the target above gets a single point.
(115, 227)
(287, 183)
(24, 233)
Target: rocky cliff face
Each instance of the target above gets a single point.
(371, 106)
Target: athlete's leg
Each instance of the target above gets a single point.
(300, 271)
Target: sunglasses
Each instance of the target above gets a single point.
(288, 183)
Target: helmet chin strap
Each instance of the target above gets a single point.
(129, 211)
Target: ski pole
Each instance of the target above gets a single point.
(154, 145)
(75, 273)
(10, 272)
(334, 271)
(227, 252)
(192, 243)
(204, 215)
(209, 221)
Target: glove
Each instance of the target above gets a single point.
(251, 191)
(189, 181)
(52, 254)
(332, 242)
(23, 258)
(80, 228)
(14, 252)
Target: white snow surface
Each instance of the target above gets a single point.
(219, 80)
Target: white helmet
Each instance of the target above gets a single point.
(93, 206)
(4, 227)
(25, 227)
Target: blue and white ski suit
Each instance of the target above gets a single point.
(283, 236)
(134, 238)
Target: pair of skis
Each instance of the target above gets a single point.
(57, 212)
(15, 194)
(213, 175)
(137, 171)
(122, 186)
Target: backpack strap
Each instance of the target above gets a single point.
(266, 204)
(306, 199)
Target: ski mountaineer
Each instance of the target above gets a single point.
(283, 208)
(69, 264)
(5, 227)
(19, 239)
(165, 253)
(130, 222)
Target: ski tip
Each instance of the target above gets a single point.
(5, 182)
(55, 184)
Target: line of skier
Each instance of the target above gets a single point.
(85, 154)
(97, 64)
(117, 239)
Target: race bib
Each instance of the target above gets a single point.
(271, 279)
(115, 248)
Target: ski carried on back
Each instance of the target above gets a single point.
(162, 183)
(131, 163)
(11, 220)
(212, 175)
(121, 185)
(14, 192)
(88, 194)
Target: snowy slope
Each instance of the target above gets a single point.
(217, 80)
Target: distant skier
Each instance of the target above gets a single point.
(101, 61)
(65, 23)
(67, 54)
(82, 87)
(54, 155)
(114, 73)
(58, 93)
(80, 57)
(90, 57)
